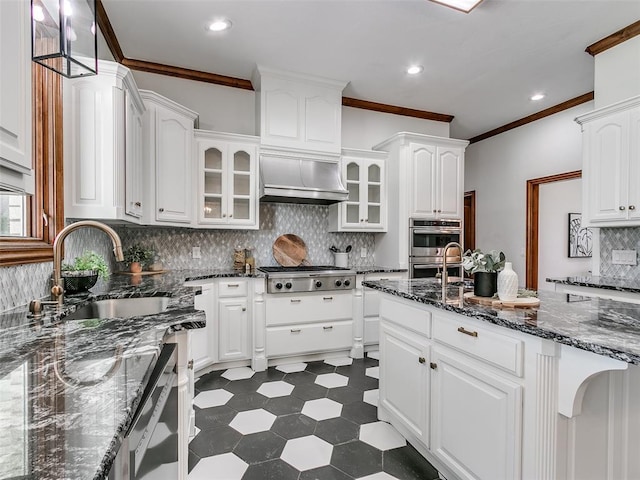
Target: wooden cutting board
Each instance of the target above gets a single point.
(525, 302)
(289, 250)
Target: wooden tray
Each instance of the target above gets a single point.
(524, 302)
(144, 272)
(289, 250)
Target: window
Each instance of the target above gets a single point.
(28, 224)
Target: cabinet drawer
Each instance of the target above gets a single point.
(406, 316)
(232, 288)
(500, 350)
(300, 339)
(294, 309)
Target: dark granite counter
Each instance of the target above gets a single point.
(608, 283)
(377, 269)
(58, 421)
(605, 327)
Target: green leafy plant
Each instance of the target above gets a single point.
(476, 261)
(89, 260)
(138, 253)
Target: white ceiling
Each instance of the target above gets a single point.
(481, 67)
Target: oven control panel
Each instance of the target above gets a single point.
(311, 283)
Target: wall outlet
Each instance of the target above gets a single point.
(363, 252)
(624, 257)
(195, 252)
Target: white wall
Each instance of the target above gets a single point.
(557, 200)
(617, 73)
(498, 169)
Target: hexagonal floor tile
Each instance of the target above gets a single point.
(381, 435)
(371, 397)
(219, 467)
(337, 430)
(291, 367)
(322, 409)
(273, 469)
(374, 354)
(212, 398)
(373, 372)
(275, 389)
(253, 421)
(259, 447)
(357, 459)
(215, 441)
(294, 426)
(332, 380)
(306, 453)
(324, 473)
(339, 361)
(238, 373)
(378, 476)
(407, 463)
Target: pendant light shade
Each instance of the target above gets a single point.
(63, 36)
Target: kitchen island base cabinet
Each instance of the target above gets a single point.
(233, 329)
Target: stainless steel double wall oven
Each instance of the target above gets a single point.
(427, 239)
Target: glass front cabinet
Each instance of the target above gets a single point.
(228, 187)
(363, 175)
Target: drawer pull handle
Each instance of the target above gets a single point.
(330, 327)
(295, 330)
(327, 298)
(422, 360)
(467, 332)
(295, 300)
(383, 280)
(233, 285)
(621, 207)
(433, 365)
(632, 207)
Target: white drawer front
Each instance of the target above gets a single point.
(301, 339)
(500, 350)
(294, 309)
(406, 316)
(232, 288)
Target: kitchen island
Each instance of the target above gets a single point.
(545, 393)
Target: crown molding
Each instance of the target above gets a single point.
(614, 39)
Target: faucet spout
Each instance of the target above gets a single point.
(445, 273)
(57, 291)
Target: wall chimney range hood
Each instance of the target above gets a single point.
(290, 178)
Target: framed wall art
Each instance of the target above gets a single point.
(580, 238)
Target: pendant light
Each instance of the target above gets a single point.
(63, 36)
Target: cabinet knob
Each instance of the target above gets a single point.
(224, 215)
(621, 207)
(230, 215)
(433, 365)
(632, 207)
(422, 360)
(190, 364)
(138, 204)
(439, 211)
(434, 210)
(161, 210)
(362, 220)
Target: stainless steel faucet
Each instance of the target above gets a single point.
(445, 273)
(57, 290)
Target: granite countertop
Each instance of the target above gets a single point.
(377, 269)
(605, 327)
(608, 283)
(55, 423)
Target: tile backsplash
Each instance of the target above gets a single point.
(618, 239)
(173, 246)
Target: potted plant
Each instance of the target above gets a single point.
(485, 268)
(83, 273)
(136, 256)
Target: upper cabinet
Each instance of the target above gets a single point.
(227, 180)
(168, 158)
(298, 111)
(15, 98)
(364, 175)
(103, 145)
(611, 165)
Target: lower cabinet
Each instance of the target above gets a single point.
(233, 329)
(371, 303)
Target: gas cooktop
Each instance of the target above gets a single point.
(308, 278)
(302, 268)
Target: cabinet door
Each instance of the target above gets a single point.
(374, 205)
(241, 202)
(634, 166)
(423, 182)
(352, 209)
(477, 419)
(133, 158)
(233, 329)
(203, 340)
(212, 182)
(174, 136)
(404, 379)
(450, 182)
(607, 150)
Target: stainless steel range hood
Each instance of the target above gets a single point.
(291, 178)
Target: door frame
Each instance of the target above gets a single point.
(533, 214)
(470, 219)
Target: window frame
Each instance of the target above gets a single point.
(46, 209)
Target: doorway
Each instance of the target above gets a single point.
(469, 237)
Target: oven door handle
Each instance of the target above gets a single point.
(424, 231)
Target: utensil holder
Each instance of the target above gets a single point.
(340, 259)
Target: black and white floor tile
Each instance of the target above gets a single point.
(300, 421)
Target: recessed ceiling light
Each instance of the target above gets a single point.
(538, 96)
(415, 69)
(219, 25)
(463, 5)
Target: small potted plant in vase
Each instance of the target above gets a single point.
(136, 256)
(83, 273)
(485, 268)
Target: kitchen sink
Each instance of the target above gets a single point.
(120, 308)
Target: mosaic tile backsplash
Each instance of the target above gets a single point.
(173, 246)
(618, 239)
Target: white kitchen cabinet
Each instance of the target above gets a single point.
(233, 329)
(371, 303)
(204, 351)
(363, 173)
(425, 177)
(611, 170)
(227, 180)
(16, 166)
(299, 111)
(476, 418)
(103, 145)
(168, 154)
